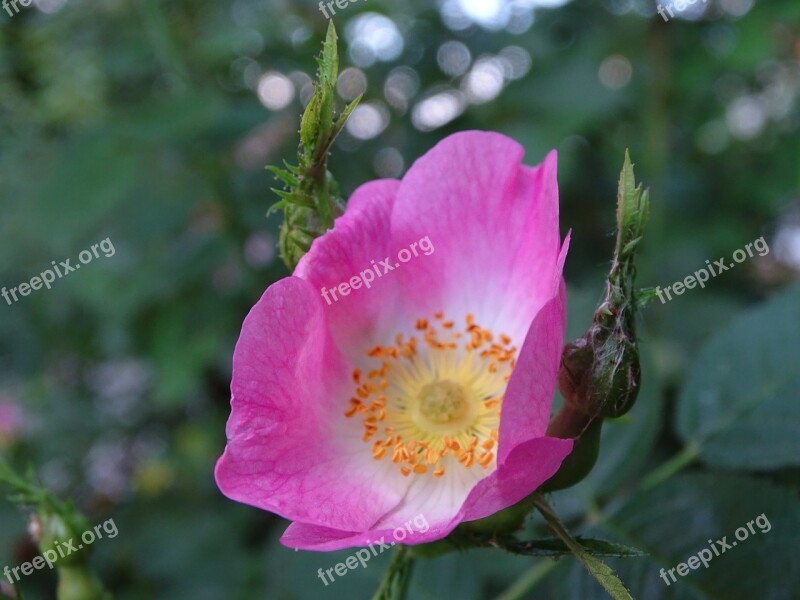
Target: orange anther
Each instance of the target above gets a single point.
(378, 450)
(486, 459)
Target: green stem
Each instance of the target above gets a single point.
(395, 582)
(674, 465)
(529, 580)
(318, 174)
(599, 570)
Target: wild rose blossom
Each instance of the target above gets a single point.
(427, 394)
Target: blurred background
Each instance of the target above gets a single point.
(150, 123)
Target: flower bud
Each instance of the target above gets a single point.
(600, 373)
(311, 199)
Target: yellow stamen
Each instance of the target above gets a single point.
(436, 398)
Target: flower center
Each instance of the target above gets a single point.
(442, 403)
(434, 402)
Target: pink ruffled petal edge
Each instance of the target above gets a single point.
(347, 256)
(287, 452)
(494, 225)
(528, 400)
(525, 469)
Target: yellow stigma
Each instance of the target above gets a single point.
(435, 404)
(442, 405)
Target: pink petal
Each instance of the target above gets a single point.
(528, 400)
(525, 469)
(494, 225)
(359, 238)
(289, 447)
(303, 536)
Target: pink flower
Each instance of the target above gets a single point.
(352, 418)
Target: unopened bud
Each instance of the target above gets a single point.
(600, 374)
(311, 199)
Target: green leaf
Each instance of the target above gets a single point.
(740, 402)
(328, 73)
(296, 198)
(633, 207)
(329, 62)
(556, 547)
(317, 121)
(285, 176)
(309, 124)
(301, 239)
(280, 205)
(675, 521)
(340, 122)
(604, 575)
